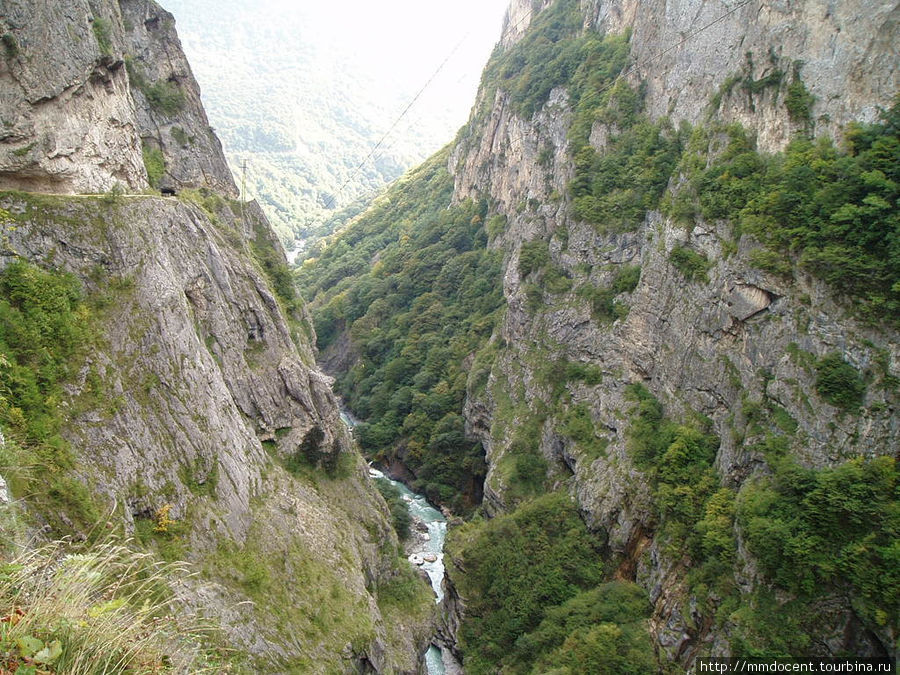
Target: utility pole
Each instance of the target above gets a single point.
(243, 179)
(243, 190)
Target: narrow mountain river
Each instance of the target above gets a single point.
(428, 552)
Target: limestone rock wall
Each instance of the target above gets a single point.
(68, 121)
(200, 385)
(705, 347)
(199, 361)
(685, 49)
(197, 369)
(192, 152)
(684, 52)
(86, 87)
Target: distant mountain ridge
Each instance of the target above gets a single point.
(304, 114)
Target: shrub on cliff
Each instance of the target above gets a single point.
(839, 383)
(400, 518)
(518, 567)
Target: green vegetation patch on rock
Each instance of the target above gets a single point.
(103, 34)
(535, 596)
(834, 527)
(546, 57)
(46, 328)
(164, 96)
(692, 264)
(815, 533)
(839, 383)
(605, 308)
(833, 211)
(154, 163)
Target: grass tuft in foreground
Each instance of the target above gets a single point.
(101, 611)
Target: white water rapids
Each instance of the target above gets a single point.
(421, 510)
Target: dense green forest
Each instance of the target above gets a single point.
(539, 599)
(813, 532)
(416, 290)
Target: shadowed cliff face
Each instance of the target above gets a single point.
(733, 344)
(194, 416)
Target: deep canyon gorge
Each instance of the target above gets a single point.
(634, 331)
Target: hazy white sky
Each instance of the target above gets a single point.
(331, 78)
(396, 45)
(403, 42)
(412, 32)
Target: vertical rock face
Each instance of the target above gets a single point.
(68, 123)
(87, 88)
(684, 53)
(518, 17)
(706, 347)
(178, 126)
(199, 365)
(199, 397)
(684, 50)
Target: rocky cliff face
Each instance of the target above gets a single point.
(188, 415)
(88, 88)
(170, 116)
(683, 51)
(720, 345)
(68, 122)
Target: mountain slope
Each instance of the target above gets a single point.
(305, 115)
(414, 316)
(157, 366)
(698, 343)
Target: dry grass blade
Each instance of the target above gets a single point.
(106, 610)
